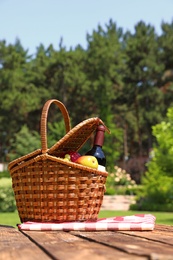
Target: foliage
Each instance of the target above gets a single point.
(119, 182)
(4, 174)
(157, 183)
(55, 132)
(7, 201)
(27, 141)
(124, 78)
(164, 150)
(24, 143)
(141, 85)
(112, 143)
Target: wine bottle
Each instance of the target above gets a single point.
(96, 150)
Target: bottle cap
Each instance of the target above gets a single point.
(101, 128)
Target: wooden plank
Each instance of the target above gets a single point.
(161, 233)
(63, 245)
(165, 228)
(135, 243)
(14, 245)
(157, 244)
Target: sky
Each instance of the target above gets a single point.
(36, 22)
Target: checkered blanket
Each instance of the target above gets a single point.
(135, 222)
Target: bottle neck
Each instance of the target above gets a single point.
(99, 137)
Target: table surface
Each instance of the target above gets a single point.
(77, 245)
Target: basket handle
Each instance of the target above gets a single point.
(43, 126)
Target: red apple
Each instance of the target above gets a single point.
(72, 156)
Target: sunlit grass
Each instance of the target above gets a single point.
(12, 218)
(9, 218)
(161, 217)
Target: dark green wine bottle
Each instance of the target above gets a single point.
(96, 150)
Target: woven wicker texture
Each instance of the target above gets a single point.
(50, 189)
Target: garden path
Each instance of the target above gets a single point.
(117, 202)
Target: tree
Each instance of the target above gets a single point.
(141, 92)
(19, 94)
(166, 57)
(123, 78)
(157, 183)
(24, 142)
(104, 67)
(163, 150)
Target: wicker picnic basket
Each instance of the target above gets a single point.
(49, 189)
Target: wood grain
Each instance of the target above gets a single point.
(64, 245)
(77, 245)
(150, 244)
(13, 245)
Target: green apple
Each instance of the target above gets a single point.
(88, 160)
(67, 157)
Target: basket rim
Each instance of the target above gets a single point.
(58, 145)
(71, 141)
(44, 157)
(94, 120)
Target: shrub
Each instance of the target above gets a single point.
(5, 174)
(24, 142)
(157, 183)
(120, 182)
(7, 200)
(156, 192)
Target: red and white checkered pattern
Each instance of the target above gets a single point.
(135, 222)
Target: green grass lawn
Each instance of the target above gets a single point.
(12, 218)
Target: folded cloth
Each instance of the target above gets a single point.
(135, 222)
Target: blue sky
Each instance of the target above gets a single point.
(46, 21)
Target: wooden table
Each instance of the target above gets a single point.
(77, 245)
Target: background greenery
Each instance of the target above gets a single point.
(7, 202)
(156, 192)
(125, 78)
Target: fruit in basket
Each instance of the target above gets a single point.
(88, 160)
(74, 156)
(67, 157)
